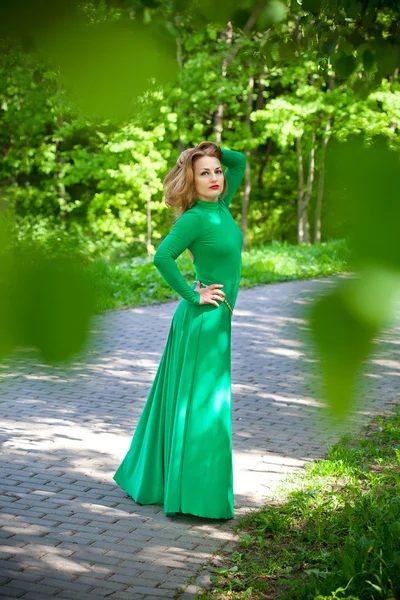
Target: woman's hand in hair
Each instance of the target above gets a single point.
(183, 156)
(210, 294)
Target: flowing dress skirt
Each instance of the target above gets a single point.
(181, 453)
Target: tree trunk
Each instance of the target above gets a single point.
(264, 161)
(251, 21)
(303, 199)
(149, 227)
(60, 173)
(321, 179)
(228, 33)
(247, 176)
(219, 113)
(62, 192)
(307, 196)
(260, 96)
(300, 192)
(179, 60)
(218, 120)
(246, 200)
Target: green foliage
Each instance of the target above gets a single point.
(47, 298)
(101, 175)
(137, 281)
(61, 172)
(336, 535)
(346, 321)
(106, 65)
(283, 262)
(85, 150)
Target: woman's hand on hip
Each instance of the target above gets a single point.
(210, 294)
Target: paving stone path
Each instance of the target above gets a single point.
(68, 531)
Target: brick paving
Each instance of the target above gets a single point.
(68, 531)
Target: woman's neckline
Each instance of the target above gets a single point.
(208, 204)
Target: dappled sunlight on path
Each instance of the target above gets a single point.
(69, 531)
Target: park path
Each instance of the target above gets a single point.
(68, 531)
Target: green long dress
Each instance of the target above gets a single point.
(181, 453)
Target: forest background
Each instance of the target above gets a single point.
(98, 99)
(93, 115)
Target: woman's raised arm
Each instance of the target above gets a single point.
(236, 167)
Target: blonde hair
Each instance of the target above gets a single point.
(179, 188)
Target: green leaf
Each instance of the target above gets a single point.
(274, 12)
(395, 528)
(287, 51)
(317, 573)
(330, 43)
(233, 569)
(376, 587)
(344, 65)
(387, 57)
(343, 341)
(312, 6)
(368, 59)
(240, 17)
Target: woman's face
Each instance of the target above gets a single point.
(208, 178)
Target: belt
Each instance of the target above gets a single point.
(226, 301)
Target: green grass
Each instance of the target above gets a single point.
(138, 282)
(336, 535)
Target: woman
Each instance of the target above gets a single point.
(181, 452)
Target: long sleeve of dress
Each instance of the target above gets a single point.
(236, 167)
(184, 232)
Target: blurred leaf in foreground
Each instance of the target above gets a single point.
(105, 64)
(46, 302)
(363, 183)
(108, 65)
(344, 324)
